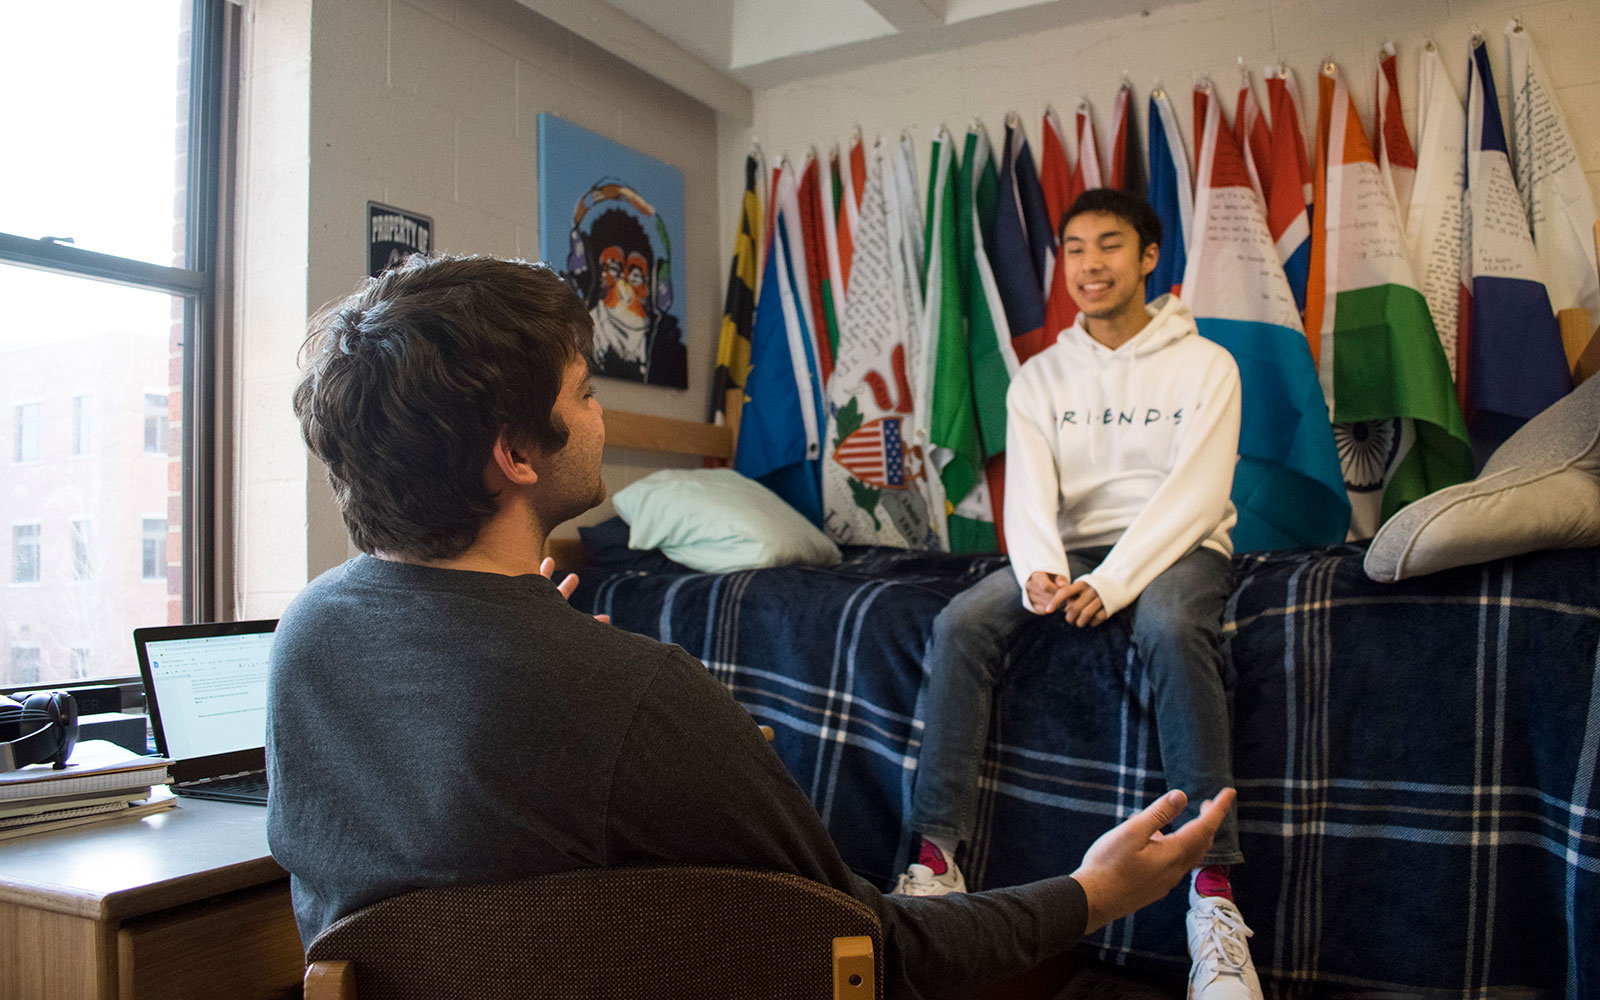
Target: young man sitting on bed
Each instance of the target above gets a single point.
(1121, 441)
(439, 715)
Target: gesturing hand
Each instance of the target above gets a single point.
(1083, 607)
(1046, 591)
(1134, 864)
(568, 584)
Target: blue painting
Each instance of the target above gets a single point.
(611, 218)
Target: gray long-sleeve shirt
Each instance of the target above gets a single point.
(431, 727)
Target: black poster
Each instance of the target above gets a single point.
(393, 235)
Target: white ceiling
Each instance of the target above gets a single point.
(763, 42)
(718, 51)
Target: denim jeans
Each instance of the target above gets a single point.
(1177, 629)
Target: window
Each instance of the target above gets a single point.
(153, 549)
(25, 660)
(81, 661)
(25, 553)
(108, 265)
(82, 425)
(82, 551)
(155, 424)
(28, 432)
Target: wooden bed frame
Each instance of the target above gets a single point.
(666, 435)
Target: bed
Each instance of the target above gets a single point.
(1415, 761)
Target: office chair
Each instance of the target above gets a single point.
(656, 932)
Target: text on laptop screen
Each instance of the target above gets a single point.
(212, 692)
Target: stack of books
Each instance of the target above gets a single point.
(101, 781)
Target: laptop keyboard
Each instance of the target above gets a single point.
(249, 783)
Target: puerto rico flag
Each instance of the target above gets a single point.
(1023, 245)
(1515, 362)
(1399, 431)
(1286, 182)
(1288, 486)
(1171, 194)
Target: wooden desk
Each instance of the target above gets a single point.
(183, 903)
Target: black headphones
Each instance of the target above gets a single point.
(42, 727)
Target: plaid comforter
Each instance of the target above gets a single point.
(1416, 762)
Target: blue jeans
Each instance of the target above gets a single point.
(1177, 630)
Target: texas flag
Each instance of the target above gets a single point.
(1515, 362)
(1287, 487)
(1171, 194)
(780, 426)
(1286, 182)
(1399, 431)
(1023, 248)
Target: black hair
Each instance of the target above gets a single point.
(1125, 205)
(408, 383)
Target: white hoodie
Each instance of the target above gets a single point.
(1132, 448)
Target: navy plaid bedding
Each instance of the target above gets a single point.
(1416, 762)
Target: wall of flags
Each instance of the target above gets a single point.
(1391, 294)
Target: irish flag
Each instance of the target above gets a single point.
(956, 452)
(993, 360)
(1287, 486)
(1515, 362)
(1171, 194)
(1378, 356)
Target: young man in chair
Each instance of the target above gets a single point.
(1121, 441)
(438, 715)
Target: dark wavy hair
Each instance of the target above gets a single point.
(407, 384)
(1125, 205)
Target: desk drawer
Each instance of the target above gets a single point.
(244, 945)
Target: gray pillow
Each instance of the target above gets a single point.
(1539, 490)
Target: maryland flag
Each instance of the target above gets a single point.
(1287, 486)
(739, 306)
(1399, 430)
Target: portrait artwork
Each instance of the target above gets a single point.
(611, 218)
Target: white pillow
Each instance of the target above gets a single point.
(718, 521)
(1539, 490)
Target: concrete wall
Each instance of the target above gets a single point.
(430, 106)
(1172, 45)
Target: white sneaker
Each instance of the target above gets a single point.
(1219, 948)
(919, 880)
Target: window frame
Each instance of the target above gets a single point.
(17, 457)
(38, 553)
(206, 302)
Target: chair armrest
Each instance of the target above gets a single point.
(337, 980)
(854, 977)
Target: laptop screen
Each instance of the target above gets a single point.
(206, 686)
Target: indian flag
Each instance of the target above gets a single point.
(1379, 358)
(1287, 486)
(956, 453)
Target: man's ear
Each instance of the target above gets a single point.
(513, 460)
(1148, 258)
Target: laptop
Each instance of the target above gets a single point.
(206, 690)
